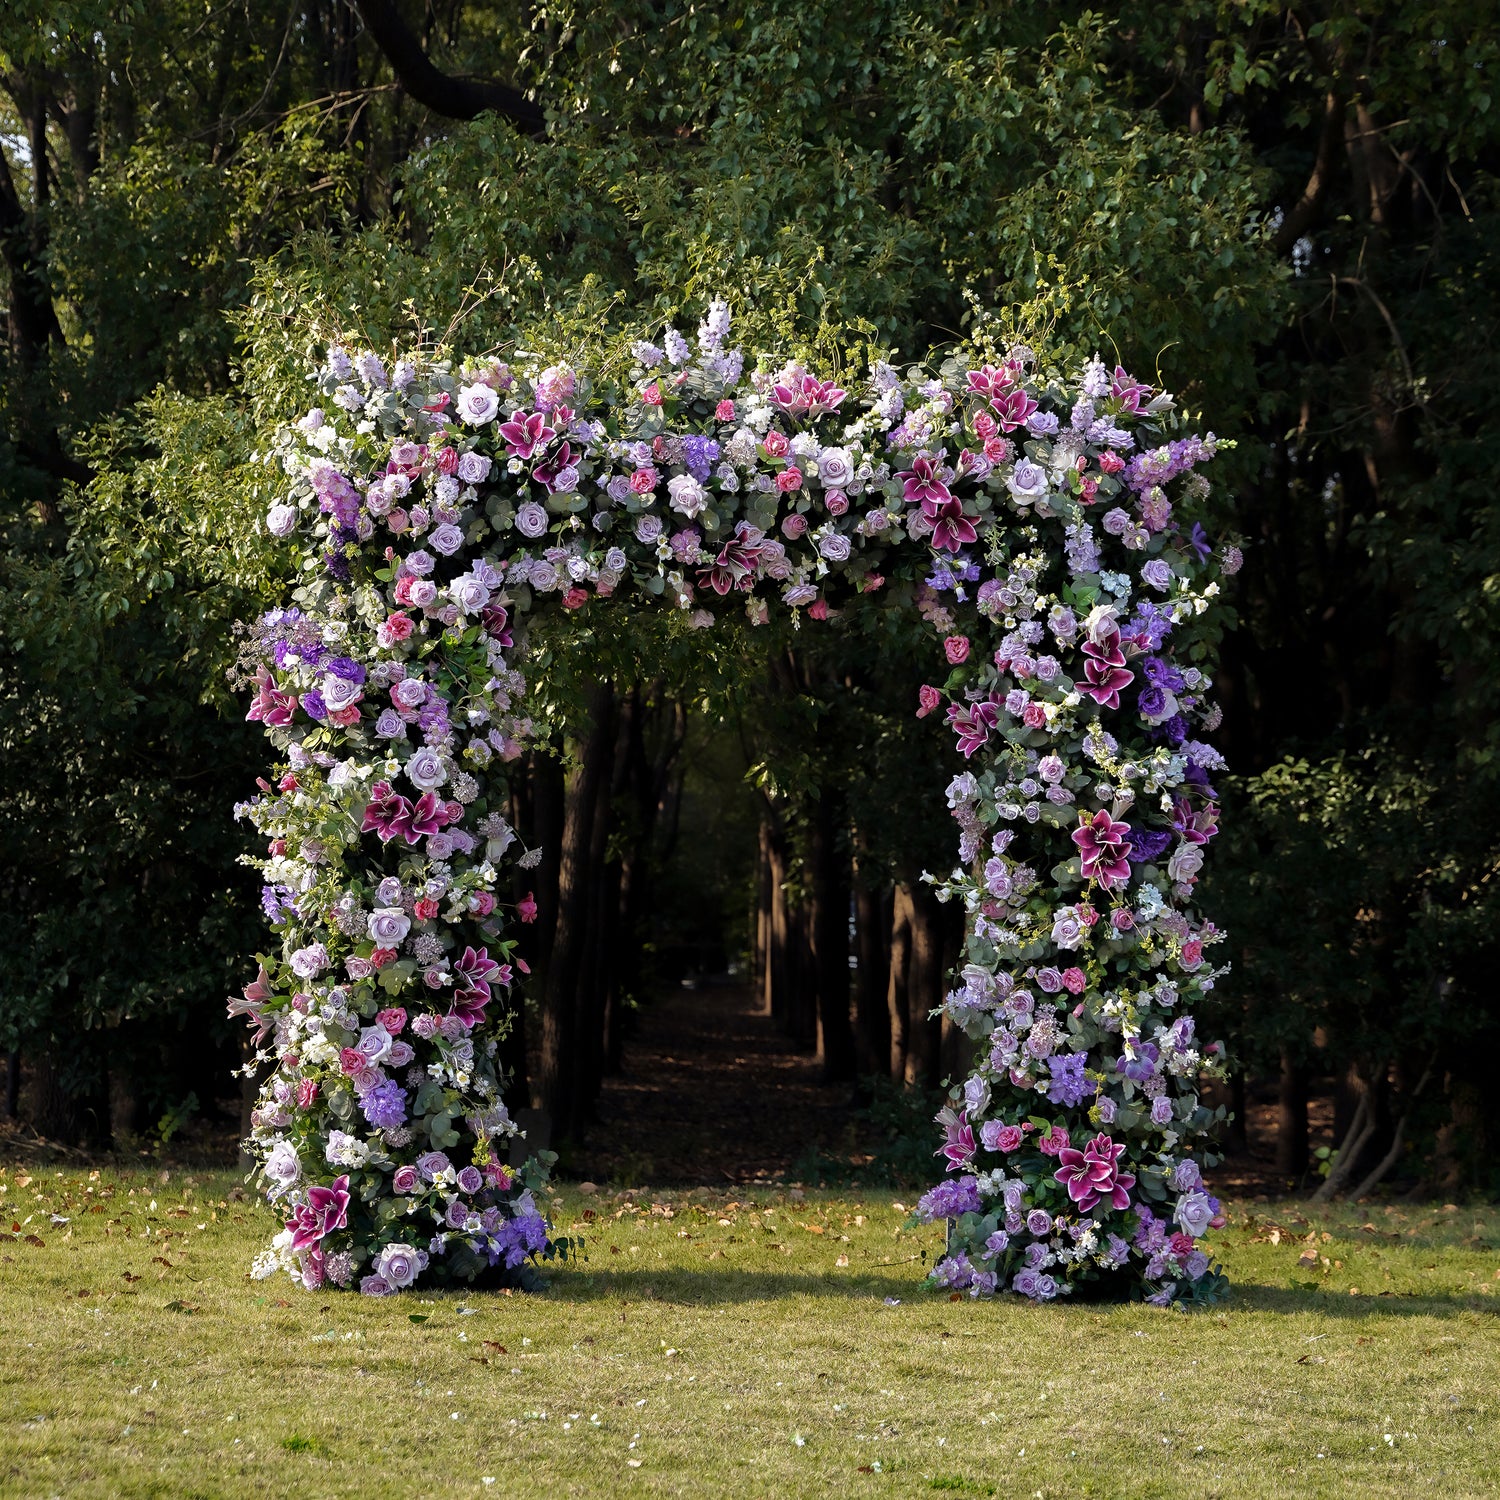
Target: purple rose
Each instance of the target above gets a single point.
(470, 1180)
(1038, 1222)
(376, 1286)
(406, 1179)
(432, 1163)
(397, 1265)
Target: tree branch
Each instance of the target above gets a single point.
(454, 98)
(1302, 214)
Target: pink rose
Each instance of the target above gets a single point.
(643, 481)
(1075, 981)
(818, 610)
(837, 503)
(651, 396)
(526, 908)
(575, 598)
(956, 647)
(1192, 954)
(481, 903)
(789, 479)
(352, 1061)
(307, 1092)
(393, 1019)
(928, 698)
(794, 526)
(724, 411)
(447, 460)
(1009, 1138)
(1054, 1142)
(776, 444)
(1034, 716)
(406, 1179)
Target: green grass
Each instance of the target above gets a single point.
(717, 1346)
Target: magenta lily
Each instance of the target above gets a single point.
(524, 433)
(326, 1209)
(1105, 847)
(1094, 1174)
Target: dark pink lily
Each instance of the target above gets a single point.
(271, 706)
(1105, 847)
(473, 973)
(1012, 409)
(973, 724)
(923, 484)
(255, 995)
(1094, 1173)
(1106, 675)
(734, 567)
(326, 1209)
(1195, 826)
(524, 434)
(545, 473)
(387, 813)
(951, 529)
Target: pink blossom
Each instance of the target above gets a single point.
(524, 434)
(272, 706)
(1105, 847)
(1093, 1174)
(326, 1209)
(724, 411)
(928, 698)
(956, 648)
(776, 444)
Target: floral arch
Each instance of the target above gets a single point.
(1044, 528)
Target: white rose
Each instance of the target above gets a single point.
(1193, 1213)
(282, 1168)
(339, 692)
(1185, 864)
(425, 770)
(835, 468)
(468, 593)
(397, 1265)
(688, 497)
(388, 926)
(374, 1044)
(477, 404)
(281, 520)
(1027, 481)
(473, 468)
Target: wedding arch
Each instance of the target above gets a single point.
(1045, 528)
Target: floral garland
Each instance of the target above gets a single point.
(433, 507)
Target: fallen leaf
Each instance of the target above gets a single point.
(1308, 1258)
(35, 1239)
(498, 1348)
(843, 1260)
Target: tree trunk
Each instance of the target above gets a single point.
(898, 987)
(1291, 1118)
(872, 1019)
(828, 928)
(924, 990)
(557, 1080)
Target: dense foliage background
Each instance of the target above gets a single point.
(1290, 212)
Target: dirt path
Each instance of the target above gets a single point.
(711, 1093)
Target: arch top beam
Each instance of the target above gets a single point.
(1046, 527)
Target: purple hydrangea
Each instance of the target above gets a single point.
(384, 1106)
(950, 1199)
(1069, 1086)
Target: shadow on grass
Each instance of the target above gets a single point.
(1257, 1297)
(585, 1283)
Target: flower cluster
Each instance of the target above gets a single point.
(434, 508)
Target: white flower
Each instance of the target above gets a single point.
(339, 692)
(281, 520)
(688, 497)
(531, 520)
(1193, 1213)
(468, 593)
(388, 926)
(374, 1044)
(835, 468)
(282, 1168)
(398, 1265)
(425, 770)
(1027, 482)
(477, 404)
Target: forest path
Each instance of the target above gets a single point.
(711, 1093)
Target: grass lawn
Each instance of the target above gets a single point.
(765, 1345)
